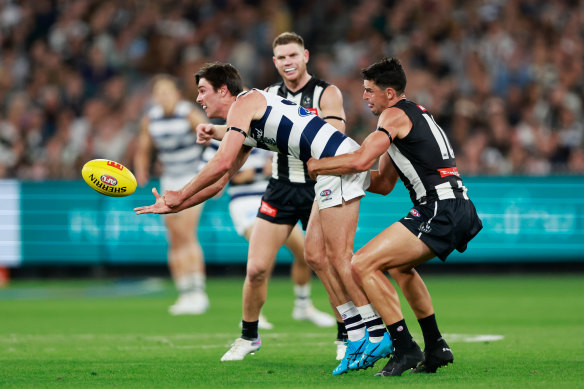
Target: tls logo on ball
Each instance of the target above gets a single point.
(109, 178)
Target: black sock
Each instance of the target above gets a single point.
(249, 329)
(430, 330)
(341, 331)
(400, 335)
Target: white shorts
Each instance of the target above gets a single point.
(332, 190)
(243, 211)
(174, 182)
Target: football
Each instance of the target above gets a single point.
(109, 178)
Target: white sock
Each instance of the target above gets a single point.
(302, 293)
(192, 282)
(353, 323)
(373, 322)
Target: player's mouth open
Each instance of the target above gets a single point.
(288, 70)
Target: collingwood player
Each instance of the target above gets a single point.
(260, 119)
(443, 218)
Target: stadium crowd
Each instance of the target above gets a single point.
(503, 78)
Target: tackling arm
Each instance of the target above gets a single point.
(358, 161)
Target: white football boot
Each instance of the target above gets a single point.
(240, 348)
(341, 348)
(194, 303)
(309, 313)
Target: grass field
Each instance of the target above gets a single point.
(76, 334)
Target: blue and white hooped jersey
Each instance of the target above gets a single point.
(175, 140)
(286, 167)
(256, 160)
(291, 129)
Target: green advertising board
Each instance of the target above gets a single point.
(526, 219)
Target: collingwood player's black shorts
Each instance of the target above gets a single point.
(287, 202)
(444, 225)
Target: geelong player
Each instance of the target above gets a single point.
(443, 218)
(169, 128)
(261, 119)
(289, 197)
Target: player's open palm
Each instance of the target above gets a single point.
(158, 207)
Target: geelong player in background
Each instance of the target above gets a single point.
(413, 147)
(169, 129)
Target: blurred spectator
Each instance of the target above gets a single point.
(504, 78)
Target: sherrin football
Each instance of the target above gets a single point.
(109, 178)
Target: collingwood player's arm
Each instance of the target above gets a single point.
(331, 107)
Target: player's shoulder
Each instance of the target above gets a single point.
(322, 83)
(155, 112)
(275, 87)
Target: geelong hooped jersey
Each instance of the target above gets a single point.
(175, 140)
(287, 167)
(292, 130)
(424, 158)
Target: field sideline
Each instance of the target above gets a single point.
(72, 334)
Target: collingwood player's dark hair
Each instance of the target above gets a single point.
(219, 74)
(387, 73)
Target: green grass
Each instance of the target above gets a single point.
(71, 334)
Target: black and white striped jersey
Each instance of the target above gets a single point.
(424, 159)
(286, 167)
(175, 140)
(292, 130)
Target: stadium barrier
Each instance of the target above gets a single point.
(526, 219)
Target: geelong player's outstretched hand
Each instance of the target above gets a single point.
(158, 207)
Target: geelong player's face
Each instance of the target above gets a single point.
(290, 60)
(165, 94)
(208, 98)
(375, 97)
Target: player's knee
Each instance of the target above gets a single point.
(257, 274)
(316, 261)
(359, 265)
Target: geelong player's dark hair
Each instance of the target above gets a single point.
(387, 73)
(219, 74)
(288, 37)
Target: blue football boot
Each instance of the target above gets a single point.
(354, 351)
(373, 352)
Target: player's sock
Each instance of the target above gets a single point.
(430, 330)
(249, 329)
(190, 283)
(353, 323)
(341, 332)
(198, 282)
(373, 322)
(302, 294)
(400, 335)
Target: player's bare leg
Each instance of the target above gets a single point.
(265, 240)
(395, 247)
(186, 262)
(301, 276)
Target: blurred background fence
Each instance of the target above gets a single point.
(526, 219)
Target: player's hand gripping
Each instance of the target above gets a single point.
(159, 206)
(310, 166)
(205, 132)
